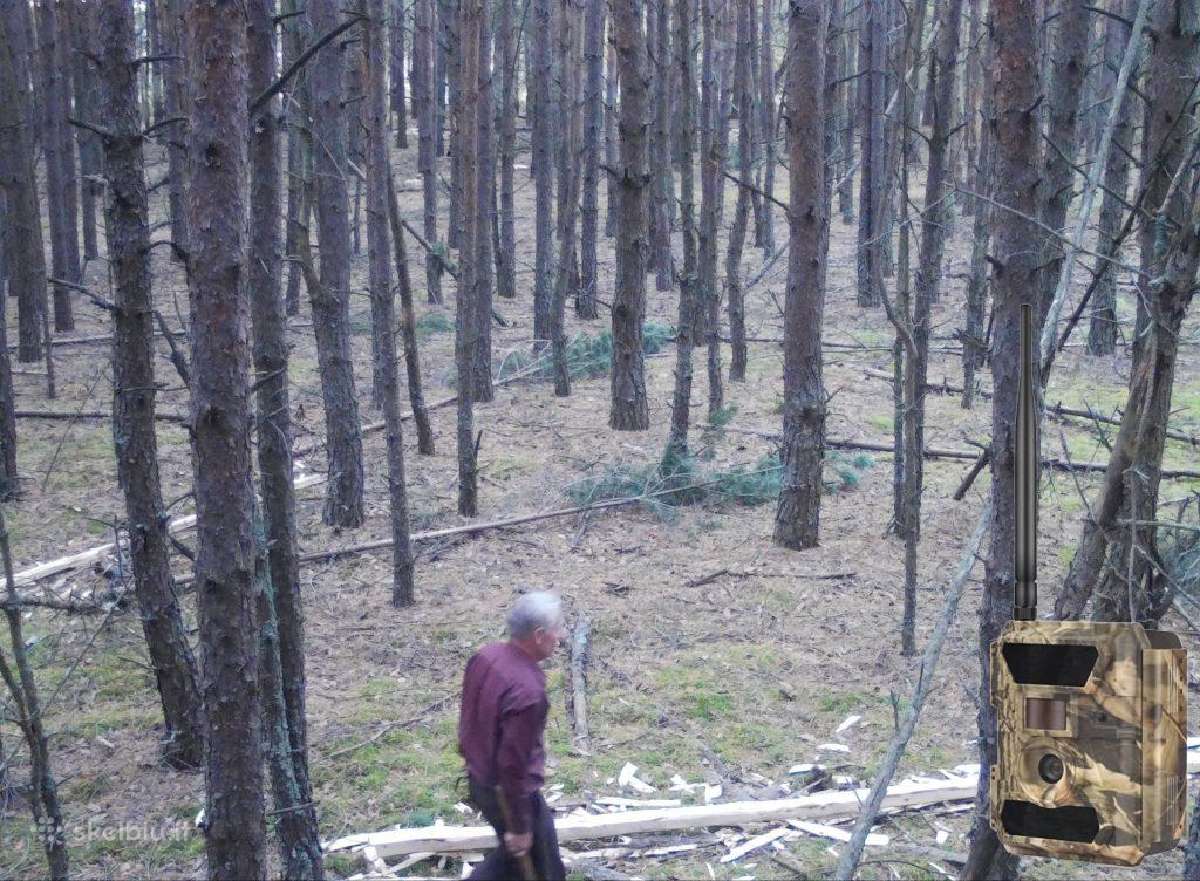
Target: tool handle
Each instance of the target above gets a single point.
(525, 861)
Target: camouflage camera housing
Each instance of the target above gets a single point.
(1092, 755)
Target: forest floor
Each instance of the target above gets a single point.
(757, 663)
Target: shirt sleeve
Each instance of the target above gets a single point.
(519, 728)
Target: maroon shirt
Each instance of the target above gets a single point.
(500, 726)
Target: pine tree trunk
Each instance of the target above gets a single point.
(80, 21)
(506, 133)
(711, 191)
(611, 79)
(378, 242)
(408, 326)
(766, 111)
(10, 483)
(677, 440)
(872, 55)
(331, 296)
(485, 214)
(538, 51)
(174, 43)
(128, 235)
(455, 79)
(1102, 333)
(427, 138)
(281, 615)
(664, 177)
(26, 255)
(593, 112)
(60, 159)
(466, 146)
(630, 409)
(441, 20)
(396, 71)
(797, 517)
(737, 232)
(234, 821)
(295, 105)
(1015, 250)
(567, 39)
(352, 102)
(847, 111)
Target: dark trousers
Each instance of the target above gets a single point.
(499, 865)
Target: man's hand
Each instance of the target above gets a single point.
(518, 845)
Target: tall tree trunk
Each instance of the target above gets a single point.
(630, 409)
(797, 517)
(664, 177)
(506, 134)
(331, 297)
(353, 120)
(541, 143)
(295, 119)
(378, 177)
(568, 39)
(174, 43)
(1068, 62)
(1102, 333)
(737, 232)
(450, 24)
(711, 192)
(396, 71)
(1169, 291)
(872, 55)
(1015, 252)
(281, 618)
(26, 255)
(485, 217)
(128, 234)
(848, 110)
(689, 316)
(466, 148)
(9, 480)
(593, 111)
(611, 79)
(423, 81)
(973, 341)
(766, 110)
(153, 73)
(408, 326)
(441, 20)
(60, 159)
(934, 222)
(79, 20)
(234, 820)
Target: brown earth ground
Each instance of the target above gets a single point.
(757, 665)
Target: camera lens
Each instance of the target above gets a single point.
(1050, 768)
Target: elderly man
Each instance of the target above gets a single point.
(500, 736)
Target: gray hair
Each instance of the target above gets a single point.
(531, 611)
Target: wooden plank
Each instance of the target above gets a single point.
(821, 806)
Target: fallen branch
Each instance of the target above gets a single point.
(91, 414)
(392, 726)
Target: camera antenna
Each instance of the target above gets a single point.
(1025, 587)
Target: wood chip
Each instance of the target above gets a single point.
(820, 829)
(755, 843)
(846, 723)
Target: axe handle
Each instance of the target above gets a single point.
(525, 861)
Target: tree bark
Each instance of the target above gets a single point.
(664, 177)
(485, 214)
(60, 159)
(568, 40)
(611, 80)
(396, 71)
(630, 409)
(281, 613)
(766, 111)
(593, 112)
(797, 517)
(677, 440)
(872, 54)
(378, 178)
(506, 134)
(848, 109)
(711, 194)
(10, 483)
(1102, 330)
(26, 255)
(331, 298)
(80, 22)
(128, 236)
(295, 106)
(408, 323)
(234, 822)
(1015, 251)
(541, 143)
(737, 232)
(428, 137)
(466, 147)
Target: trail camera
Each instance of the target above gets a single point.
(1091, 759)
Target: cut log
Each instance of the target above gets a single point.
(822, 806)
(578, 694)
(755, 843)
(874, 839)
